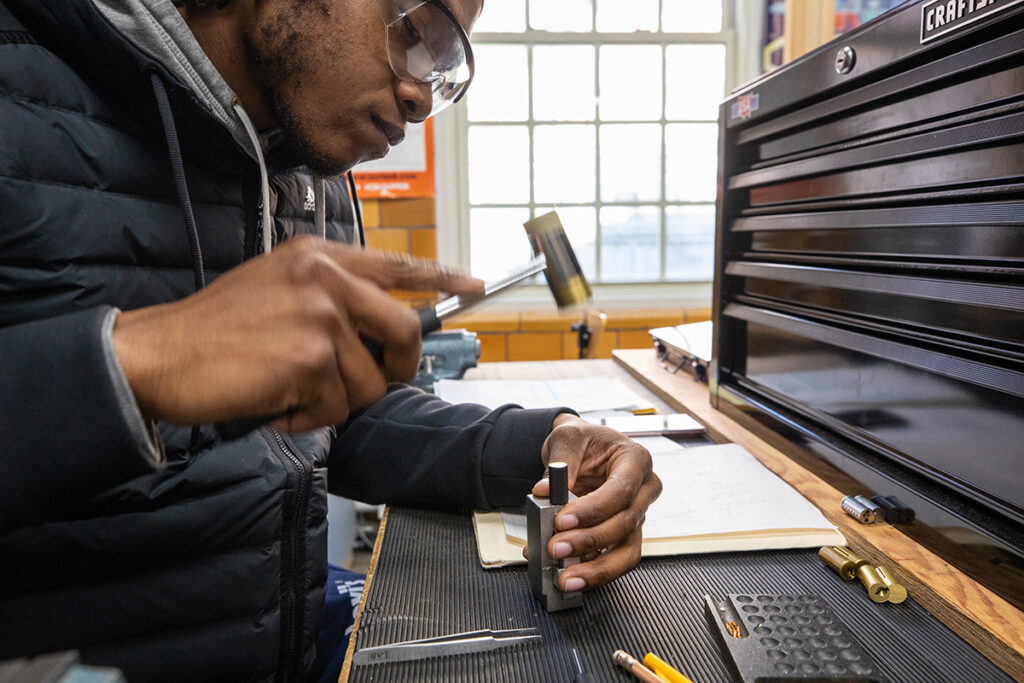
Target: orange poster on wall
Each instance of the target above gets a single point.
(407, 170)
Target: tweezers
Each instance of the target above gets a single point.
(455, 644)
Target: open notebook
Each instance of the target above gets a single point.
(715, 499)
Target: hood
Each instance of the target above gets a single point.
(120, 45)
(117, 44)
(156, 29)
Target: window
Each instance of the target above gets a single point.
(605, 110)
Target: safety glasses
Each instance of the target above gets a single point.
(426, 44)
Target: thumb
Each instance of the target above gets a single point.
(565, 443)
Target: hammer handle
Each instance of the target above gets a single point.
(429, 322)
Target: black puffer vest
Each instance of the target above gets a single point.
(227, 542)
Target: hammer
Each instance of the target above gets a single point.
(552, 254)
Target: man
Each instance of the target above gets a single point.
(146, 149)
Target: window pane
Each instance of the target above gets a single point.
(629, 243)
(694, 81)
(497, 241)
(507, 182)
(502, 16)
(561, 15)
(563, 83)
(563, 163)
(691, 153)
(580, 223)
(630, 82)
(622, 16)
(631, 162)
(690, 242)
(678, 16)
(500, 88)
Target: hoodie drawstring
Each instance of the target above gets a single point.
(178, 170)
(356, 211)
(266, 226)
(319, 210)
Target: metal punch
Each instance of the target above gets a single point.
(443, 646)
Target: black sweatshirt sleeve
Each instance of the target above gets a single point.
(412, 448)
(69, 424)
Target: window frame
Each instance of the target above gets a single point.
(452, 153)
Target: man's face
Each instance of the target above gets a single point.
(323, 66)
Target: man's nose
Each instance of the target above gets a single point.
(416, 100)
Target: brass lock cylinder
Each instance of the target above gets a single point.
(877, 590)
(841, 561)
(897, 592)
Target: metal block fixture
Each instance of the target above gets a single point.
(543, 569)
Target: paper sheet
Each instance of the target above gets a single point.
(583, 394)
(658, 444)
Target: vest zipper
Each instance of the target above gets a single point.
(17, 38)
(293, 581)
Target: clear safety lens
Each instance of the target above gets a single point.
(426, 45)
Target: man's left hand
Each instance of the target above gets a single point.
(613, 478)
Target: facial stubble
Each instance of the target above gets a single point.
(283, 50)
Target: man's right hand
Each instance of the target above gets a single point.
(280, 335)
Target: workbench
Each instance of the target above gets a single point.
(425, 580)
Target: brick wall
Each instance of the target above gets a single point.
(525, 335)
(408, 226)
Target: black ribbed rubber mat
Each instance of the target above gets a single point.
(428, 583)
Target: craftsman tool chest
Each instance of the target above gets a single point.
(869, 275)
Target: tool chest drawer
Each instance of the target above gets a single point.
(924, 405)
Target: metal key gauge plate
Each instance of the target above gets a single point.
(788, 638)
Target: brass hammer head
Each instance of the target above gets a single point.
(563, 272)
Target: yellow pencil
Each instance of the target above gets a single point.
(663, 670)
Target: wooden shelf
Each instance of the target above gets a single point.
(808, 24)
